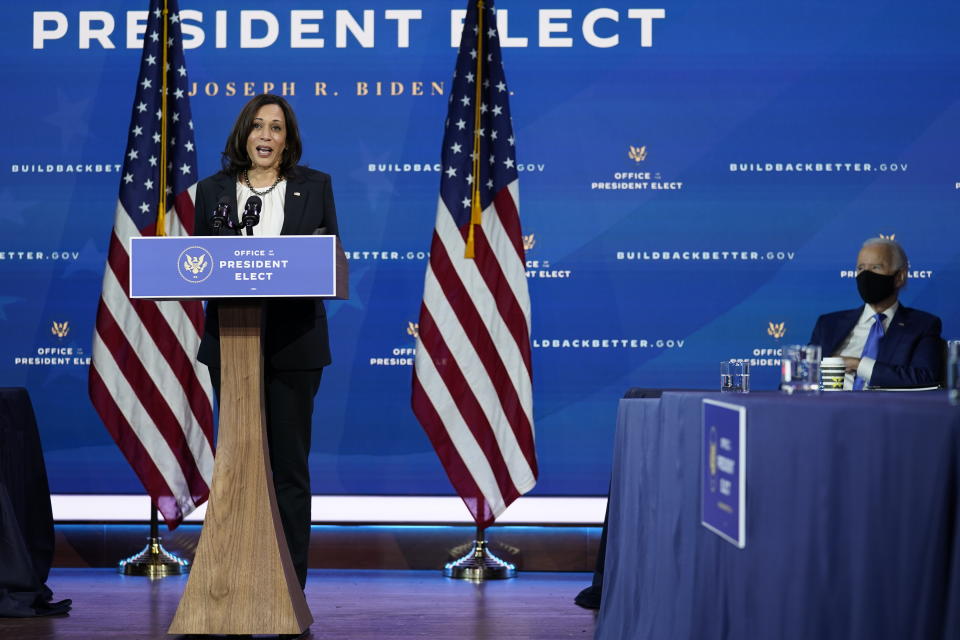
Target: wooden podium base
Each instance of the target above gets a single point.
(242, 580)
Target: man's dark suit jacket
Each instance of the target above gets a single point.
(295, 331)
(911, 350)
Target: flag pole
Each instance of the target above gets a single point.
(161, 227)
(479, 564)
(153, 561)
(475, 212)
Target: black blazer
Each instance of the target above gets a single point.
(910, 353)
(295, 331)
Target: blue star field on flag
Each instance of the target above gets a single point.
(139, 188)
(497, 160)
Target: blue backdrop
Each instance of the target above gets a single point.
(700, 198)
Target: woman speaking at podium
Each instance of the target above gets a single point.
(260, 161)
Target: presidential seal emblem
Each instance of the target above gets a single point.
(195, 264)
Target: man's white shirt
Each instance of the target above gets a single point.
(852, 347)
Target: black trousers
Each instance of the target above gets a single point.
(289, 409)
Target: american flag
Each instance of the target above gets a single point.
(472, 373)
(145, 383)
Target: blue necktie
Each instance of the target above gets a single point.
(871, 347)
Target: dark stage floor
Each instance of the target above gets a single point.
(349, 605)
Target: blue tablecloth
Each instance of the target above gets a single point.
(26, 520)
(852, 522)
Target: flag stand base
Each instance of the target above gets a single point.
(154, 561)
(479, 564)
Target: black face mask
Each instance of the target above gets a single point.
(874, 287)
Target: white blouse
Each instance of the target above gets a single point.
(271, 213)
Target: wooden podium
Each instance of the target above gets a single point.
(242, 580)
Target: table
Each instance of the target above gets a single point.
(853, 527)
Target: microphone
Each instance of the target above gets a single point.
(220, 214)
(251, 213)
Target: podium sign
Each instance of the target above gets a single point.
(723, 487)
(242, 581)
(209, 267)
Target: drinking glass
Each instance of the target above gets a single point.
(800, 369)
(735, 376)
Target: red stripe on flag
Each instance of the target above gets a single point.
(131, 447)
(183, 204)
(506, 210)
(166, 340)
(185, 209)
(463, 306)
(467, 403)
(503, 295)
(167, 425)
(453, 464)
(194, 312)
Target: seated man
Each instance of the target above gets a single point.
(902, 349)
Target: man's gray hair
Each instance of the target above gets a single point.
(899, 255)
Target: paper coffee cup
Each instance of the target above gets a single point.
(831, 374)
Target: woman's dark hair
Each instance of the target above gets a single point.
(235, 158)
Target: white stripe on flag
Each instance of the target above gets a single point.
(514, 271)
(174, 226)
(159, 369)
(141, 424)
(486, 306)
(460, 435)
(478, 380)
(182, 327)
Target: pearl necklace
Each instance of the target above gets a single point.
(246, 181)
